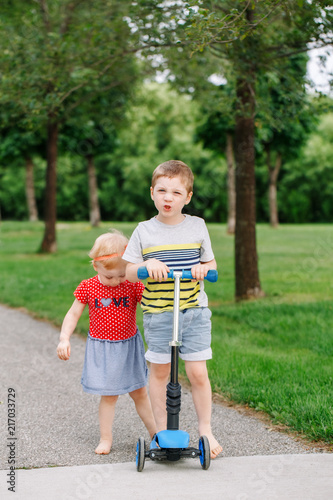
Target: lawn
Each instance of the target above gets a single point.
(274, 354)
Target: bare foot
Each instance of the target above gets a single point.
(104, 447)
(214, 452)
(215, 447)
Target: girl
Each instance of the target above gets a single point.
(114, 360)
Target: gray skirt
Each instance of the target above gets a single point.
(115, 367)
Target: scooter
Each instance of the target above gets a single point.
(172, 444)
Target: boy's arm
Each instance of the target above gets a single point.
(157, 270)
(199, 271)
(67, 328)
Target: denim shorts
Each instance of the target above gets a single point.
(194, 333)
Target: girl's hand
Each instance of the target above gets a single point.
(157, 269)
(68, 327)
(64, 350)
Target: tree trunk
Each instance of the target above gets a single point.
(95, 215)
(30, 190)
(231, 186)
(49, 243)
(272, 189)
(246, 259)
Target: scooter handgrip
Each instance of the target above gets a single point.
(143, 273)
(212, 275)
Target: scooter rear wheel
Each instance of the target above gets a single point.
(140, 454)
(205, 452)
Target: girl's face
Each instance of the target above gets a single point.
(110, 277)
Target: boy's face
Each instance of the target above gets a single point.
(170, 196)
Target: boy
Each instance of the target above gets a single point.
(172, 240)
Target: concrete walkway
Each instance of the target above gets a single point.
(275, 477)
(56, 431)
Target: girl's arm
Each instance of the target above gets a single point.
(132, 272)
(68, 327)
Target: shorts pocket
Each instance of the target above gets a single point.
(206, 313)
(147, 318)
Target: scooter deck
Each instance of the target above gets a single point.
(171, 439)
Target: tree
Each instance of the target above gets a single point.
(284, 120)
(18, 146)
(266, 32)
(217, 133)
(57, 49)
(246, 259)
(160, 125)
(92, 132)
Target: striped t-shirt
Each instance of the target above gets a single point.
(179, 246)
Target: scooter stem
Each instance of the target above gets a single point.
(174, 388)
(176, 301)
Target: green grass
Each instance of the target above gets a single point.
(274, 354)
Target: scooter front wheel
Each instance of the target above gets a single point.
(140, 454)
(204, 452)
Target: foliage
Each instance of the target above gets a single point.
(58, 49)
(129, 156)
(307, 185)
(64, 53)
(160, 125)
(18, 143)
(271, 51)
(221, 23)
(66, 64)
(285, 112)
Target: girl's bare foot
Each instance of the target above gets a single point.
(104, 447)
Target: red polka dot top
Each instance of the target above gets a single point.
(112, 310)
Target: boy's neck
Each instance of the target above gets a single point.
(173, 221)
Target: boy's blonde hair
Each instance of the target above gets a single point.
(174, 168)
(108, 249)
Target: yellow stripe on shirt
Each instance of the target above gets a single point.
(159, 297)
(162, 248)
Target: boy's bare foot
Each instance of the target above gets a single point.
(215, 447)
(216, 451)
(104, 447)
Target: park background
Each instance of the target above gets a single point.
(94, 97)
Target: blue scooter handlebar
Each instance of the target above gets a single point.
(212, 275)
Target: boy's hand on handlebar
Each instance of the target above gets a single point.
(64, 350)
(199, 271)
(157, 270)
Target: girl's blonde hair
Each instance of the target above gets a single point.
(108, 249)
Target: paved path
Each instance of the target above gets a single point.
(57, 424)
